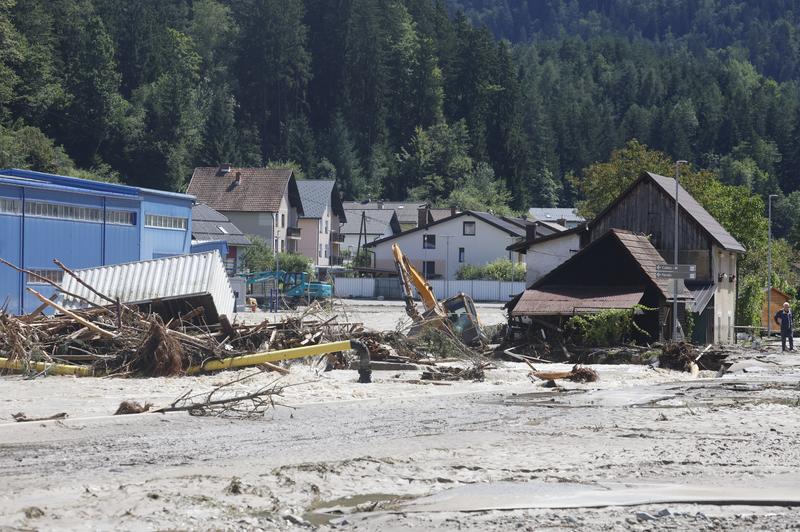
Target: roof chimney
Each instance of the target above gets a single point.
(453, 210)
(225, 168)
(422, 215)
(238, 179)
(531, 231)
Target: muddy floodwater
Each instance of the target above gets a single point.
(641, 449)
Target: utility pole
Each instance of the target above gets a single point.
(769, 266)
(675, 257)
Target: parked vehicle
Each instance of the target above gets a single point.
(295, 287)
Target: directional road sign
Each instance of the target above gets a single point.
(676, 271)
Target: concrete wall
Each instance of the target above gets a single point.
(488, 244)
(544, 257)
(724, 295)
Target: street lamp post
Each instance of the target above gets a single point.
(675, 256)
(769, 266)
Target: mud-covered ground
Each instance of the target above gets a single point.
(401, 455)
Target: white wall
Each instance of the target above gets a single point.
(724, 295)
(488, 244)
(364, 287)
(544, 257)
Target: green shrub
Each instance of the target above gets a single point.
(499, 270)
(603, 329)
(259, 257)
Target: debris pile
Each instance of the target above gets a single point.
(474, 372)
(680, 356)
(125, 341)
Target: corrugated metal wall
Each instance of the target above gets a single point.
(389, 288)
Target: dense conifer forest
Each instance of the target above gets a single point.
(481, 103)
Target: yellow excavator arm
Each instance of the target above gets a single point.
(410, 276)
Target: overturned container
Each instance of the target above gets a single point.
(169, 286)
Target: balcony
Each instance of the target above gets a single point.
(293, 233)
(336, 237)
(336, 261)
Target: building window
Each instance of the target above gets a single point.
(10, 206)
(469, 228)
(55, 276)
(428, 241)
(121, 217)
(165, 222)
(428, 269)
(319, 253)
(460, 254)
(326, 251)
(326, 227)
(283, 246)
(283, 220)
(59, 211)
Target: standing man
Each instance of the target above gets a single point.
(784, 318)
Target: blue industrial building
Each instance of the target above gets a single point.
(83, 224)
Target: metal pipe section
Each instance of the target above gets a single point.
(270, 356)
(55, 369)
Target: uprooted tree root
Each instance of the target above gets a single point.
(578, 373)
(161, 355)
(132, 407)
(680, 356)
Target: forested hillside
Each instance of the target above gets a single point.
(403, 98)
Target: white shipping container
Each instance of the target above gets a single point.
(165, 278)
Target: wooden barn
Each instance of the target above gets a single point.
(648, 207)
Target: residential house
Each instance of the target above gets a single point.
(615, 271)
(567, 217)
(441, 248)
(362, 226)
(544, 251)
(321, 222)
(264, 202)
(648, 207)
(210, 227)
(84, 224)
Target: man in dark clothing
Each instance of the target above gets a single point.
(784, 318)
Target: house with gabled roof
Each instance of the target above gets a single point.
(264, 202)
(441, 248)
(615, 271)
(648, 206)
(321, 222)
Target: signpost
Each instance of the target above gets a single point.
(676, 271)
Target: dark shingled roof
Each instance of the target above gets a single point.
(558, 300)
(491, 219)
(698, 213)
(208, 224)
(316, 195)
(638, 247)
(406, 210)
(259, 189)
(378, 220)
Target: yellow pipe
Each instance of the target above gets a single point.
(56, 369)
(271, 356)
